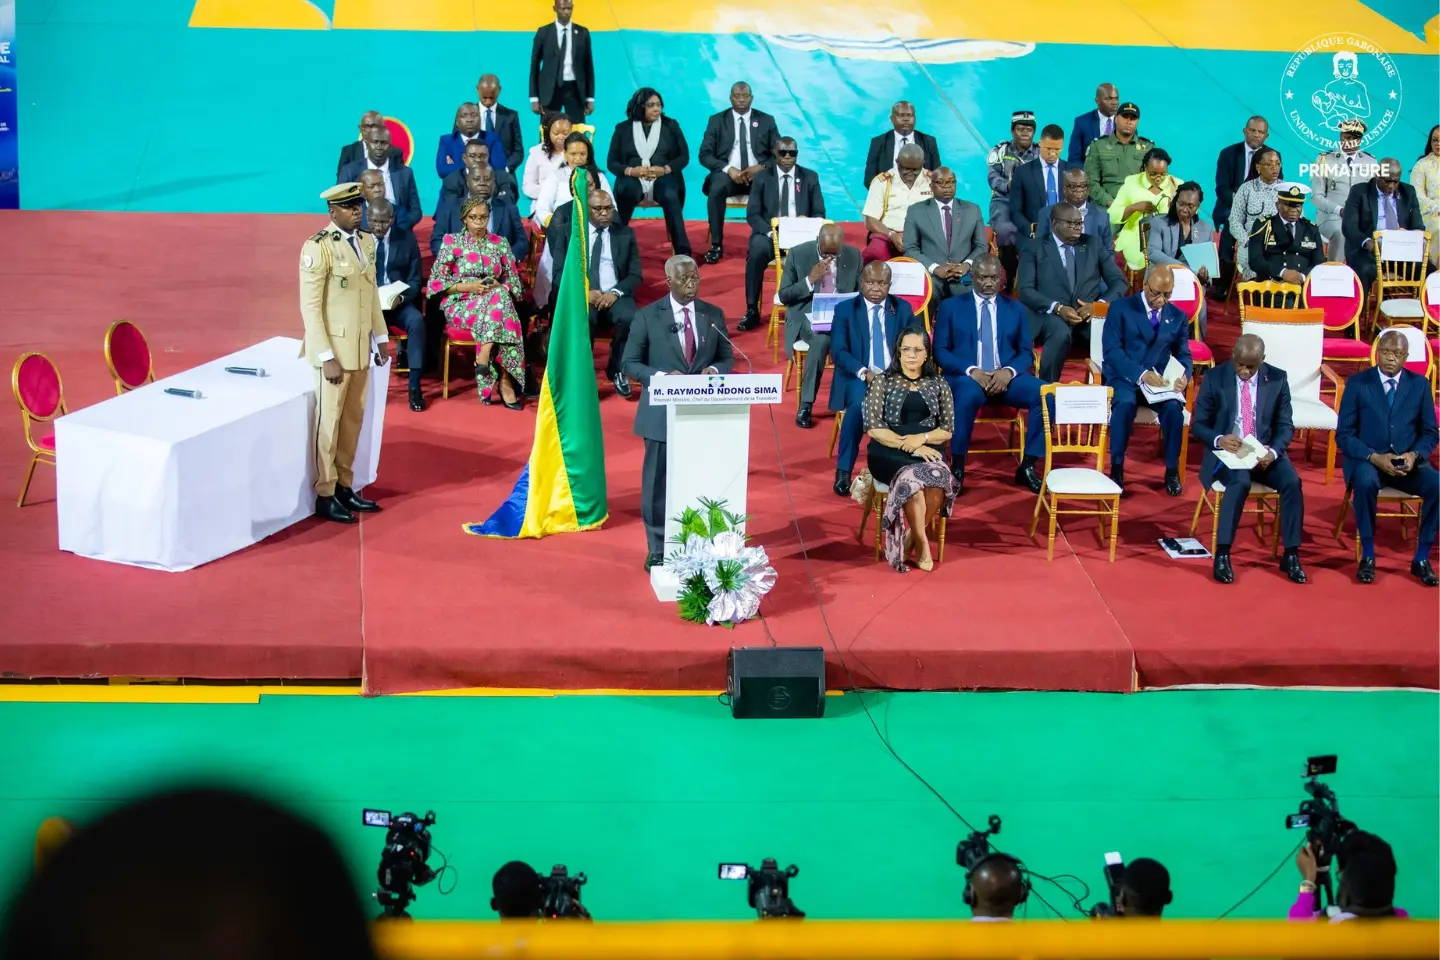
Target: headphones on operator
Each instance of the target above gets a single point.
(991, 857)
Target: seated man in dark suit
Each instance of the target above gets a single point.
(399, 180)
(1382, 204)
(1094, 124)
(1142, 333)
(826, 264)
(885, 147)
(355, 150)
(782, 189)
(946, 235)
(738, 143)
(504, 215)
(982, 343)
(450, 152)
(862, 340)
(397, 259)
(1075, 190)
(614, 278)
(1387, 431)
(1246, 397)
(657, 173)
(476, 157)
(502, 120)
(1286, 246)
(1234, 166)
(1061, 278)
(1041, 182)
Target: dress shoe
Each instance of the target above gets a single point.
(515, 404)
(1026, 476)
(1365, 573)
(1422, 571)
(1117, 477)
(1224, 573)
(1290, 563)
(532, 388)
(842, 483)
(417, 400)
(959, 476)
(1172, 483)
(622, 386)
(714, 254)
(751, 321)
(351, 500)
(653, 560)
(328, 508)
(802, 417)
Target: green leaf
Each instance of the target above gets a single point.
(728, 573)
(694, 599)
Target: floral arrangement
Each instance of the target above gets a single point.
(721, 579)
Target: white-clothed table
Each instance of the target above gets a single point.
(155, 480)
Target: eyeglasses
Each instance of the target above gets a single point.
(912, 351)
(787, 153)
(1071, 223)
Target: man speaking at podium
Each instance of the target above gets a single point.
(676, 335)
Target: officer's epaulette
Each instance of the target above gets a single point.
(887, 175)
(1265, 226)
(320, 236)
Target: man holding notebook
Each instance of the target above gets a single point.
(1146, 356)
(1242, 415)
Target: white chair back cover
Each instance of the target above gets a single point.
(1097, 346)
(1415, 337)
(907, 278)
(1294, 348)
(794, 231)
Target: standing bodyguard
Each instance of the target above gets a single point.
(344, 326)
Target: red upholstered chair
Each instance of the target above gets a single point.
(1422, 355)
(454, 337)
(127, 354)
(41, 396)
(401, 138)
(1430, 302)
(1200, 353)
(1342, 341)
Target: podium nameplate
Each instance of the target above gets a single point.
(721, 388)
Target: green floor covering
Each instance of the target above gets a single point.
(647, 794)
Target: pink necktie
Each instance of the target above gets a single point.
(1247, 410)
(827, 284)
(689, 337)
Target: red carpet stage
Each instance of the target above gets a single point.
(406, 601)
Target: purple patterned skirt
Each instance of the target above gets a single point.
(909, 482)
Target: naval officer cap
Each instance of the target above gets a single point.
(344, 195)
(1291, 193)
(1352, 128)
(1022, 118)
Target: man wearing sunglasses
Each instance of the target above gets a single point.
(1384, 203)
(782, 189)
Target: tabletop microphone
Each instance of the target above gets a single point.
(749, 366)
(181, 392)
(247, 371)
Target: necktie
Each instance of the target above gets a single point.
(1389, 204)
(1052, 193)
(355, 245)
(1291, 227)
(1390, 393)
(689, 336)
(489, 119)
(946, 222)
(597, 251)
(564, 35)
(827, 283)
(744, 145)
(1154, 319)
(1067, 253)
(1109, 126)
(380, 262)
(786, 204)
(988, 360)
(877, 338)
(1247, 411)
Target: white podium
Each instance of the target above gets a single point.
(707, 454)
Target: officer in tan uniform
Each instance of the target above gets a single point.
(344, 327)
(1335, 174)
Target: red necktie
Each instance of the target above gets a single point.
(1247, 411)
(689, 337)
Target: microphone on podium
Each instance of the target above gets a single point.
(749, 366)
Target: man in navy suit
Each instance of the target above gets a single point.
(1040, 183)
(984, 351)
(450, 152)
(504, 215)
(1234, 166)
(502, 120)
(355, 150)
(1142, 333)
(887, 146)
(397, 259)
(399, 180)
(782, 188)
(1075, 190)
(1094, 124)
(1386, 431)
(476, 157)
(1248, 398)
(859, 354)
(1383, 203)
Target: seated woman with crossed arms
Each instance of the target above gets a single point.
(910, 417)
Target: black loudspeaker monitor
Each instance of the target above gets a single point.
(776, 682)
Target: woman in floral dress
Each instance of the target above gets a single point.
(478, 277)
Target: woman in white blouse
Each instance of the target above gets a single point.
(1254, 201)
(547, 156)
(579, 155)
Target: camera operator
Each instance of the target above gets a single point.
(995, 887)
(1367, 880)
(519, 894)
(1144, 889)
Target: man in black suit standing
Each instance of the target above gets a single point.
(614, 278)
(1235, 165)
(737, 144)
(1248, 398)
(826, 264)
(675, 335)
(1382, 204)
(885, 147)
(1062, 277)
(504, 121)
(562, 72)
(397, 259)
(352, 152)
(782, 189)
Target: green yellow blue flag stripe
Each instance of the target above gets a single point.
(562, 488)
